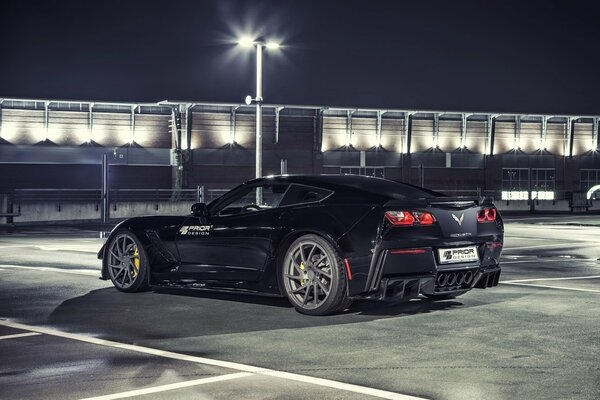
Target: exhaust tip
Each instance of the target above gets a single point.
(468, 277)
(451, 279)
(460, 278)
(442, 279)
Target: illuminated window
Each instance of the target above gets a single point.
(542, 180)
(589, 178)
(377, 172)
(515, 180)
(515, 195)
(517, 183)
(542, 195)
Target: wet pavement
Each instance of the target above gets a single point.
(535, 336)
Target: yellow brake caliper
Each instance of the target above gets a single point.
(302, 268)
(136, 261)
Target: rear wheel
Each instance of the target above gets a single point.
(314, 278)
(127, 263)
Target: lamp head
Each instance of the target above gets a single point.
(246, 41)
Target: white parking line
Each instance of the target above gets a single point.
(217, 363)
(552, 279)
(550, 287)
(84, 248)
(88, 272)
(511, 237)
(172, 386)
(538, 246)
(545, 260)
(19, 335)
(339, 385)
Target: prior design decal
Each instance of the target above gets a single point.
(195, 230)
(459, 254)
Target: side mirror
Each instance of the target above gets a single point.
(200, 210)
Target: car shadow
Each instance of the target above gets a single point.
(265, 300)
(178, 313)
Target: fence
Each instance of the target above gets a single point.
(499, 195)
(37, 205)
(31, 205)
(200, 194)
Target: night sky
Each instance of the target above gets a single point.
(509, 56)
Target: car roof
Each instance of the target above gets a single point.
(378, 186)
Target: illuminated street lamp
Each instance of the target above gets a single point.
(260, 45)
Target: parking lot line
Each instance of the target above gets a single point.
(172, 386)
(19, 335)
(339, 385)
(552, 279)
(538, 246)
(546, 260)
(88, 272)
(217, 363)
(550, 287)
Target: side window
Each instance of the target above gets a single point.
(253, 199)
(299, 194)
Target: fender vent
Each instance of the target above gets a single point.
(158, 247)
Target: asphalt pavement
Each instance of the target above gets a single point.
(65, 334)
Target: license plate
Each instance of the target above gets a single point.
(458, 254)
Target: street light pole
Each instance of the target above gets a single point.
(259, 50)
(260, 46)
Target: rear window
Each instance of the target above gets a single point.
(300, 194)
(395, 190)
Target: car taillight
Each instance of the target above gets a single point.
(408, 218)
(424, 218)
(400, 217)
(487, 215)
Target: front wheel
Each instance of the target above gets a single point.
(314, 277)
(127, 263)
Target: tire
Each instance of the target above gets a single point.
(447, 296)
(313, 277)
(127, 263)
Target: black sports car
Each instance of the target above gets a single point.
(321, 241)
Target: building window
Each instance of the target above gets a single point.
(525, 184)
(542, 183)
(589, 179)
(377, 172)
(515, 184)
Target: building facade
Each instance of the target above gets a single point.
(48, 144)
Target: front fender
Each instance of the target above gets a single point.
(157, 235)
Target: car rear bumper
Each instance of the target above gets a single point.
(441, 283)
(404, 272)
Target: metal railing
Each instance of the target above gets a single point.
(496, 195)
(154, 195)
(200, 194)
(213, 194)
(65, 199)
(61, 195)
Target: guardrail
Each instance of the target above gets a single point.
(116, 195)
(87, 204)
(154, 195)
(30, 205)
(61, 195)
(496, 195)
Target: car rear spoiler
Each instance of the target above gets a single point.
(446, 202)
